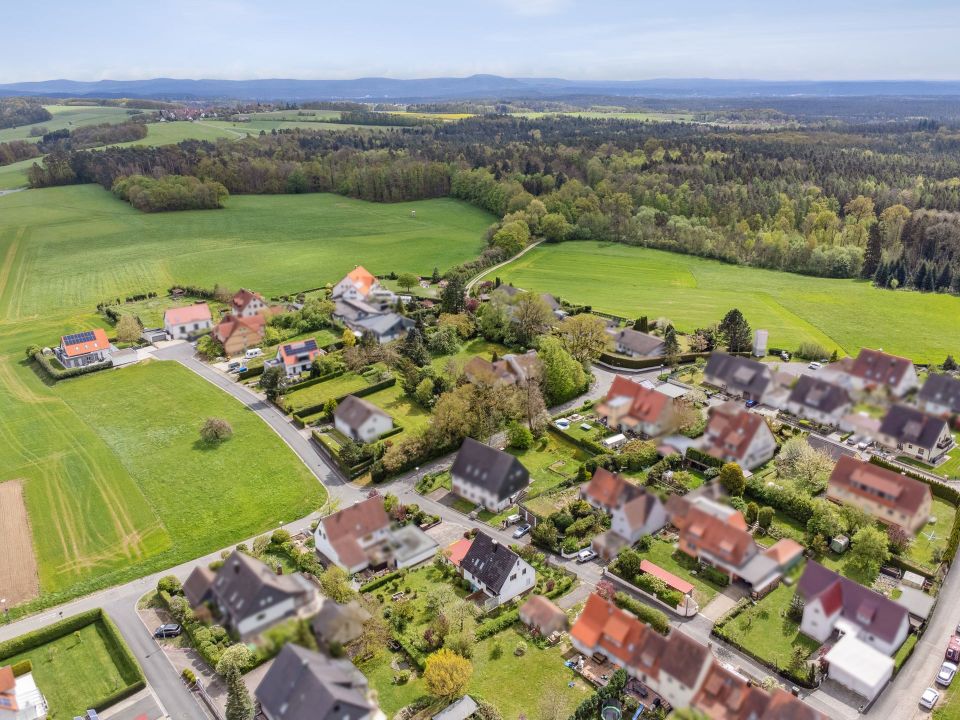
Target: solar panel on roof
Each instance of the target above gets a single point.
(82, 337)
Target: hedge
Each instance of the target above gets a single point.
(415, 655)
(656, 619)
(362, 392)
(251, 372)
(641, 363)
(21, 668)
(380, 581)
(54, 374)
(315, 381)
(797, 506)
(498, 624)
(120, 653)
(702, 458)
(582, 443)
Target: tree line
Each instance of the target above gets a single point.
(16, 111)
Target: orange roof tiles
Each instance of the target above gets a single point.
(362, 278)
(99, 342)
(646, 406)
(668, 577)
(231, 324)
(459, 550)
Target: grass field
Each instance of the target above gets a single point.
(693, 292)
(74, 246)
(15, 174)
(67, 117)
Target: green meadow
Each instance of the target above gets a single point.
(67, 117)
(693, 292)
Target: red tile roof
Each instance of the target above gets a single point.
(230, 324)
(606, 488)
(784, 550)
(99, 342)
(362, 278)
(879, 485)
(243, 298)
(668, 577)
(646, 406)
(880, 368)
(197, 312)
(708, 533)
(459, 550)
(730, 431)
(357, 520)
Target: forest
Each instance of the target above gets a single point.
(878, 200)
(15, 111)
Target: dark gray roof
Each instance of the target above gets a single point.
(305, 685)
(385, 324)
(508, 290)
(245, 586)
(197, 587)
(356, 411)
(338, 622)
(739, 374)
(550, 301)
(909, 425)
(941, 390)
(640, 343)
(868, 609)
(494, 470)
(819, 394)
(489, 561)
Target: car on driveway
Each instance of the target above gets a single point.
(815, 365)
(752, 403)
(585, 555)
(521, 530)
(168, 630)
(929, 698)
(947, 671)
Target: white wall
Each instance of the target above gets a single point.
(476, 494)
(266, 618)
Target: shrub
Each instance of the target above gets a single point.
(215, 430)
(653, 617)
(169, 584)
(519, 436)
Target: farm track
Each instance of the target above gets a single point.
(18, 566)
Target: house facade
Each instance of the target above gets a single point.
(874, 369)
(188, 322)
(818, 400)
(83, 348)
(631, 407)
(633, 511)
(247, 304)
(940, 395)
(20, 698)
(239, 333)
(511, 369)
(497, 571)
(250, 596)
(888, 496)
(539, 614)
(908, 431)
(486, 476)
(361, 421)
(738, 376)
(297, 358)
(734, 434)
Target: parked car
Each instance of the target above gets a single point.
(752, 403)
(521, 530)
(815, 365)
(585, 555)
(929, 698)
(947, 671)
(233, 367)
(953, 650)
(167, 631)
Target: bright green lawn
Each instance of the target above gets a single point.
(949, 707)
(840, 564)
(765, 630)
(14, 175)
(921, 549)
(694, 292)
(468, 350)
(67, 117)
(514, 684)
(669, 558)
(949, 468)
(78, 245)
(318, 394)
(150, 494)
(73, 672)
(405, 413)
(550, 461)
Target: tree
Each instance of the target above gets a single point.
(628, 563)
(376, 633)
(808, 467)
(407, 280)
(447, 674)
(452, 299)
(750, 513)
(239, 704)
(735, 331)
(273, 381)
(950, 365)
(545, 535)
(563, 377)
(414, 348)
(873, 254)
(209, 348)
(584, 337)
(519, 436)
(234, 661)
(530, 317)
(732, 480)
(765, 517)
(348, 338)
(512, 237)
(335, 584)
(825, 520)
(671, 348)
(554, 227)
(423, 393)
(435, 277)
(869, 550)
(128, 328)
(215, 430)
(642, 324)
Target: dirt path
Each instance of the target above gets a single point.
(18, 566)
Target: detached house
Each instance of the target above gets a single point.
(511, 369)
(364, 305)
(888, 496)
(20, 698)
(735, 435)
(297, 358)
(247, 303)
(940, 395)
(874, 369)
(249, 596)
(487, 476)
(361, 536)
(738, 376)
(496, 571)
(187, 322)
(638, 344)
(634, 511)
(306, 685)
(818, 400)
(239, 333)
(360, 420)
(631, 407)
(83, 348)
(909, 431)
(539, 614)
(360, 284)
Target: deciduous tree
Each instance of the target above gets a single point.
(447, 674)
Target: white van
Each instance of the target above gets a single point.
(253, 352)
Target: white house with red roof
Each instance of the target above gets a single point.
(631, 407)
(296, 358)
(189, 321)
(874, 369)
(247, 303)
(734, 434)
(84, 348)
(361, 286)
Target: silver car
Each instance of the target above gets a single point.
(929, 698)
(947, 671)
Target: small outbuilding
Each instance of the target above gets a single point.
(539, 614)
(858, 666)
(840, 544)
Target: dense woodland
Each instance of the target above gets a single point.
(15, 111)
(80, 138)
(878, 200)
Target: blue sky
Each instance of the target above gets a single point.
(600, 39)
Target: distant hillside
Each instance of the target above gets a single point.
(475, 86)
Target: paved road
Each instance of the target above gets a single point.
(479, 276)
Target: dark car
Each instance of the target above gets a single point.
(752, 403)
(168, 631)
(521, 530)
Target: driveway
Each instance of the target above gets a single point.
(722, 603)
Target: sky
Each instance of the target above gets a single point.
(573, 39)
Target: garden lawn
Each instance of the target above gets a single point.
(922, 547)
(669, 558)
(318, 394)
(787, 526)
(550, 461)
(765, 630)
(515, 685)
(694, 292)
(73, 672)
(404, 411)
(949, 707)
(477, 346)
(840, 564)
(949, 468)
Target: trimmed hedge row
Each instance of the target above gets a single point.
(630, 363)
(44, 362)
(315, 381)
(380, 581)
(362, 392)
(656, 619)
(702, 458)
(120, 653)
(582, 443)
(250, 372)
